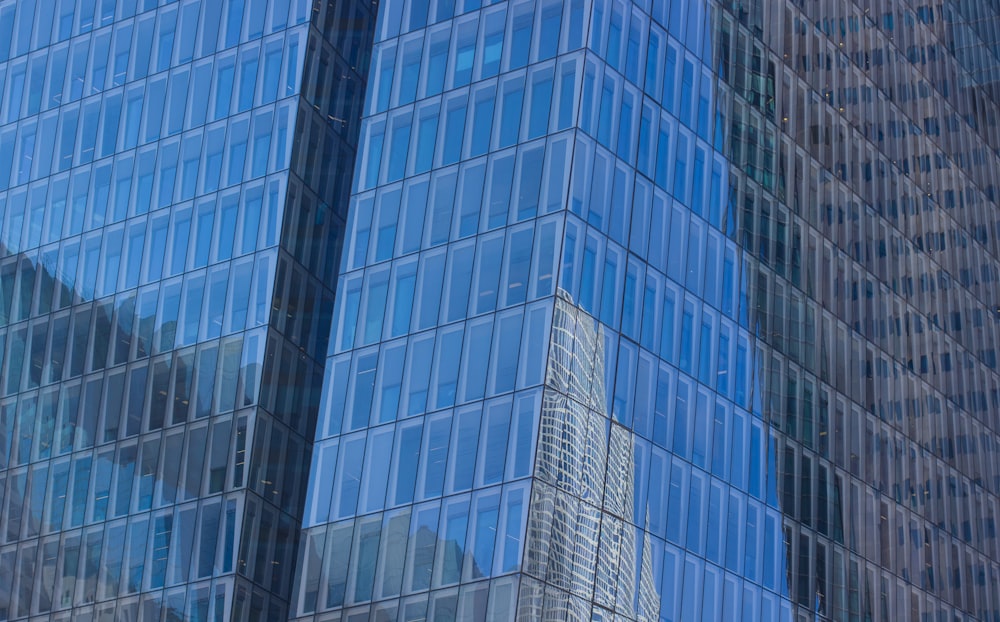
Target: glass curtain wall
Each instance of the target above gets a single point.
(168, 249)
(541, 396)
(863, 152)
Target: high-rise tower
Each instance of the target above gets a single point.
(539, 400)
(556, 309)
(782, 219)
(863, 148)
(173, 183)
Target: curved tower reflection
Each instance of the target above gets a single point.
(581, 540)
(540, 399)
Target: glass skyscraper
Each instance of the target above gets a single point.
(539, 399)
(174, 178)
(446, 310)
(863, 146)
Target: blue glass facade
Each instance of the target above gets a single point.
(531, 309)
(665, 310)
(170, 238)
(540, 393)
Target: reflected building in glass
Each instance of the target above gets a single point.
(581, 544)
(169, 243)
(650, 310)
(541, 400)
(665, 310)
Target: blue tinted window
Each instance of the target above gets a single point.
(413, 216)
(248, 80)
(507, 343)
(501, 179)
(487, 513)
(492, 44)
(455, 527)
(223, 88)
(471, 194)
(520, 39)
(390, 381)
(482, 121)
(632, 54)
(541, 100)
(375, 307)
(460, 263)
(614, 39)
(350, 478)
(488, 274)
(465, 447)
(670, 80)
(675, 504)
(271, 74)
(587, 277)
(465, 52)
(529, 183)
(408, 451)
(443, 196)
(409, 74)
(435, 456)
(426, 138)
(437, 63)
(519, 261)
(680, 169)
(429, 286)
(567, 103)
(548, 42)
(374, 157)
(398, 149)
(604, 124)
(510, 113)
(352, 300)
(454, 130)
(475, 366)
(385, 237)
(449, 348)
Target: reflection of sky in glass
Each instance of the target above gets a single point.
(511, 152)
(164, 256)
(668, 310)
(770, 394)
